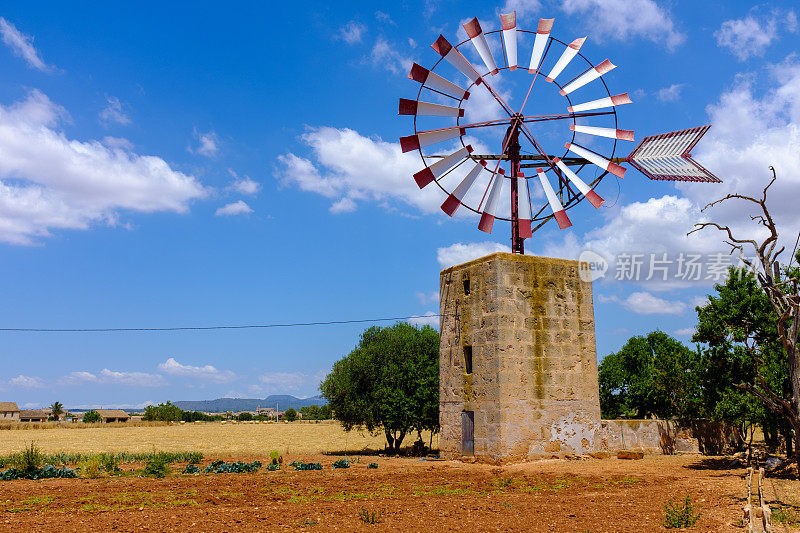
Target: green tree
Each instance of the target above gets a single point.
(389, 382)
(57, 409)
(90, 417)
(739, 315)
(290, 415)
(652, 375)
(244, 416)
(165, 412)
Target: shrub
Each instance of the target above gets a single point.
(299, 465)
(272, 467)
(110, 463)
(244, 416)
(91, 467)
(370, 517)
(290, 415)
(680, 515)
(157, 465)
(29, 460)
(341, 463)
(221, 467)
(275, 457)
(191, 469)
(90, 417)
(372, 465)
(193, 457)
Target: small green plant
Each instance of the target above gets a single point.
(372, 465)
(191, 469)
(275, 457)
(680, 514)
(341, 463)
(157, 465)
(370, 517)
(786, 516)
(91, 467)
(29, 460)
(194, 457)
(110, 463)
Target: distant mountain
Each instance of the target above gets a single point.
(220, 405)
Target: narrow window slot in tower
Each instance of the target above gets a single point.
(468, 359)
(466, 286)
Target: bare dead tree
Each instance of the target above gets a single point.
(784, 296)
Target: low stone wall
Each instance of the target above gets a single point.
(650, 436)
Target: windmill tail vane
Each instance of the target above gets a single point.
(477, 182)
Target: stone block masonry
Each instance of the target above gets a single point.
(518, 362)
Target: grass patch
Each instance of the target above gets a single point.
(786, 515)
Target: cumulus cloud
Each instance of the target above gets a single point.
(207, 144)
(48, 181)
(233, 209)
(288, 382)
(106, 376)
(644, 303)
(348, 167)
(671, 93)
(458, 253)
(751, 36)
(385, 55)
(22, 46)
(113, 112)
(204, 373)
(426, 298)
(352, 32)
(625, 19)
(26, 382)
(685, 332)
(243, 185)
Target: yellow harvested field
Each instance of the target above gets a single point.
(210, 438)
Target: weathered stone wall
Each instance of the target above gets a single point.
(533, 390)
(649, 436)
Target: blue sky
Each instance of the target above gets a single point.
(165, 166)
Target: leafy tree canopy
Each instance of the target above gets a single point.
(389, 382)
(90, 417)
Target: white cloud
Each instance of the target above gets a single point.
(243, 185)
(427, 298)
(524, 8)
(233, 209)
(458, 253)
(349, 168)
(384, 17)
(283, 382)
(671, 93)
(106, 376)
(118, 142)
(644, 303)
(208, 144)
(113, 112)
(624, 19)
(352, 32)
(22, 45)
(26, 382)
(685, 332)
(428, 319)
(750, 36)
(205, 373)
(53, 182)
(386, 55)
(343, 205)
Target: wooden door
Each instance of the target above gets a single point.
(467, 432)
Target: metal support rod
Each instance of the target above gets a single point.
(517, 243)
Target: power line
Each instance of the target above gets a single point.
(207, 328)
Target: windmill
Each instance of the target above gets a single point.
(477, 181)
